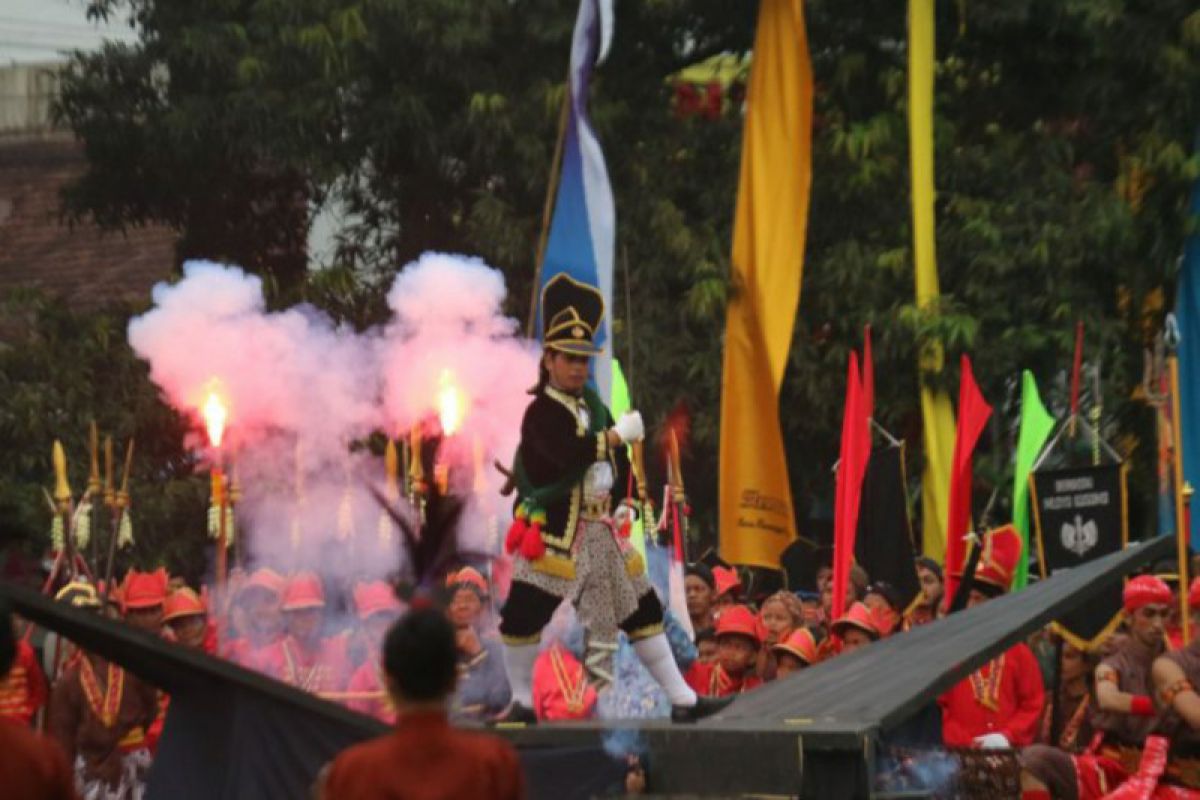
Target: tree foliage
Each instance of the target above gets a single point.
(1064, 152)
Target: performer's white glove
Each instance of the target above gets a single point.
(992, 741)
(630, 428)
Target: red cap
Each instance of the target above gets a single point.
(183, 603)
(266, 579)
(1145, 590)
(304, 590)
(374, 597)
(801, 644)
(726, 580)
(468, 576)
(739, 621)
(144, 589)
(998, 561)
(1194, 594)
(859, 616)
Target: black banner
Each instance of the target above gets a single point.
(233, 734)
(883, 544)
(1080, 515)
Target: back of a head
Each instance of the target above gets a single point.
(8, 640)
(420, 655)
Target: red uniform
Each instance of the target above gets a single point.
(712, 680)
(24, 691)
(560, 686)
(245, 653)
(367, 693)
(1004, 696)
(323, 670)
(424, 758)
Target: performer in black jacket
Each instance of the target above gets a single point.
(564, 540)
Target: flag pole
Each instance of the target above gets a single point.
(1181, 528)
(548, 206)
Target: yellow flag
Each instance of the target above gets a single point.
(757, 522)
(935, 406)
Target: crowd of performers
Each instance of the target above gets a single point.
(1127, 715)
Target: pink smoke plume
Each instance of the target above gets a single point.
(301, 389)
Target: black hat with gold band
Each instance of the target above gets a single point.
(78, 594)
(571, 315)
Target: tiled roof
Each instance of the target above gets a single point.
(85, 265)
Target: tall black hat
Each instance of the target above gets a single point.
(571, 315)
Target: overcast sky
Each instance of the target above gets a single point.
(38, 31)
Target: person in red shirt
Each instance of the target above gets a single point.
(259, 599)
(303, 658)
(1000, 704)
(727, 591)
(142, 597)
(737, 652)
(377, 608)
(424, 758)
(186, 616)
(797, 653)
(855, 629)
(24, 691)
(31, 767)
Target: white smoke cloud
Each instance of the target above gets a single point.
(300, 389)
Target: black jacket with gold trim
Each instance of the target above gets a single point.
(554, 443)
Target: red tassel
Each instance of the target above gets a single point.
(532, 546)
(516, 535)
(625, 529)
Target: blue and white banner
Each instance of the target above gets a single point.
(583, 228)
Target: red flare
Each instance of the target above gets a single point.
(625, 529)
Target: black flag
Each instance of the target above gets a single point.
(883, 545)
(1079, 515)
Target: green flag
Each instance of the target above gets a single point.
(619, 403)
(1036, 424)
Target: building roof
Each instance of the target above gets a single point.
(39, 249)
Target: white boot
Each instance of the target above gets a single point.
(655, 654)
(518, 660)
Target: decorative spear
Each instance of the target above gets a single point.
(391, 464)
(122, 531)
(93, 489)
(417, 488)
(62, 503)
(680, 510)
(231, 532)
(638, 465)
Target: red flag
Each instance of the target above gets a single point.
(868, 378)
(856, 450)
(973, 414)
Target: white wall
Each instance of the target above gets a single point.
(26, 92)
